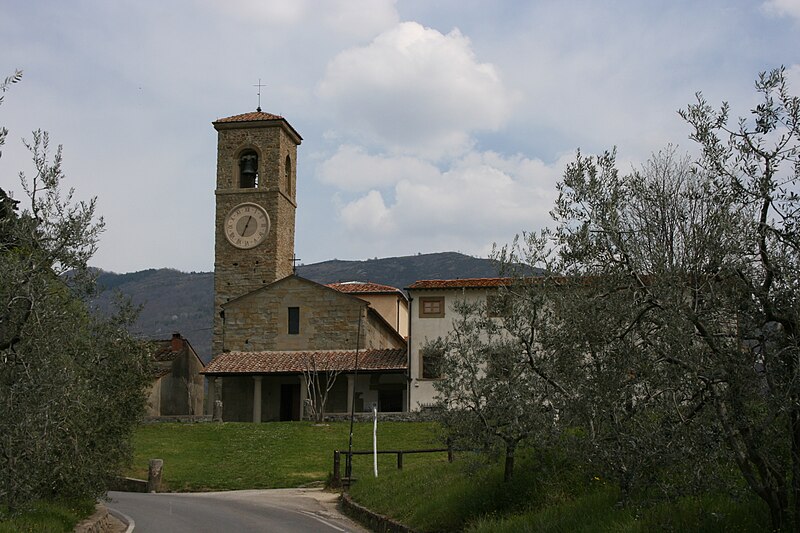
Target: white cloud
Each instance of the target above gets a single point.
(415, 90)
(352, 169)
(483, 198)
(789, 8)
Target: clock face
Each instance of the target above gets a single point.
(247, 225)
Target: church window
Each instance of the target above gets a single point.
(431, 307)
(287, 175)
(248, 170)
(294, 321)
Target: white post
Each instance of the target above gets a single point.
(375, 436)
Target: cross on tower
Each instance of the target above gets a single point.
(295, 260)
(259, 85)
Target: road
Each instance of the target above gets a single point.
(241, 511)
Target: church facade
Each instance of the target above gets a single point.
(271, 327)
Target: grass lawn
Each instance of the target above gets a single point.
(545, 495)
(47, 517)
(231, 456)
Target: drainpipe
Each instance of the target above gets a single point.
(408, 352)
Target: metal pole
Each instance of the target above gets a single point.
(349, 469)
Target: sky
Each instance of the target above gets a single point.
(427, 126)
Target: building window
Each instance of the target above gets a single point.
(294, 321)
(432, 356)
(248, 170)
(431, 307)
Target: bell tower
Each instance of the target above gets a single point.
(255, 206)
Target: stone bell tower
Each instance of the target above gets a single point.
(255, 207)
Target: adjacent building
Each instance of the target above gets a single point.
(178, 385)
(432, 315)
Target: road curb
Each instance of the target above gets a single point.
(372, 520)
(101, 521)
(125, 519)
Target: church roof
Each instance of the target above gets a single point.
(295, 362)
(363, 287)
(250, 117)
(248, 120)
(465, 283)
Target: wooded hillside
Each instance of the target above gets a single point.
(174, 301)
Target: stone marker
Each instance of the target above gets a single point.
(154, 475)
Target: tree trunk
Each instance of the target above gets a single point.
(795, 433)
(509, 466)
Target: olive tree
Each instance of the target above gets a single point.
(709, 257)
(489, 395)
(71, 385)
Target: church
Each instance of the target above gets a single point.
(272, 327)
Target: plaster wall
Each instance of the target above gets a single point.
(425, 329)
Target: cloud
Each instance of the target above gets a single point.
(782, 8)
(356, 19)
(352, 169)
(482, 198)
(414, 90)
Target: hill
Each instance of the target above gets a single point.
(174, 301)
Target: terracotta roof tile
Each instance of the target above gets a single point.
(465, 283)
(285, 362)
(160, 372)
(363, 287)
(162, 351)
(250, 117)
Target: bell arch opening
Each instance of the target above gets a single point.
(248, 169)
(287, 175)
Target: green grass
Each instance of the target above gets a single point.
(547, 494)
(233, 456)
(597, 511)
(47, 517)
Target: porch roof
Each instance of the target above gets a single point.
(296, 362)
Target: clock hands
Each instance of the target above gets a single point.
(244, 230)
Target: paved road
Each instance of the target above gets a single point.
(242, 511)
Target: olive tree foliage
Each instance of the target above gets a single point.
(71, 385)
(707, 259)
(489, 395)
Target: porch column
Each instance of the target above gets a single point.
(210, 398)
(216, 413)
(257, 398)
(351, 390)
(303, 395)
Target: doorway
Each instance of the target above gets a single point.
(290, 402)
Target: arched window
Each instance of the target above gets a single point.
(287, 175)
(248, 170)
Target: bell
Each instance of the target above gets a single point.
(249, 170)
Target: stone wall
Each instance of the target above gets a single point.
(328, 319)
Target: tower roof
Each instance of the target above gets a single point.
(250, 117)
(256, 119)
